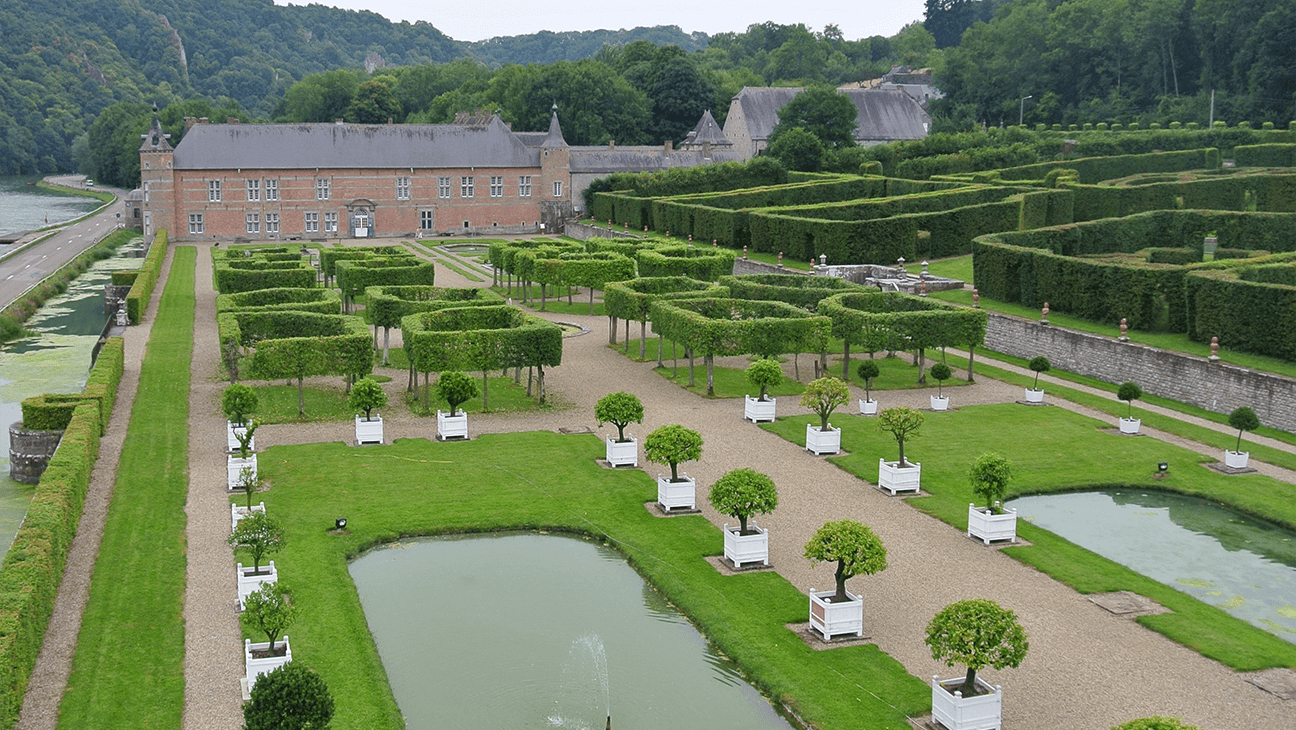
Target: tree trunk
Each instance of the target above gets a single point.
(841, 583)
(660, 344)
(591, 301)
(540, 382)
(972, 363)
(386, 345)
(569, 298)
(969, 683)
(485, 391)
(427, 393)
(710, 361)
(517, 374)
(675, 358)
(301, 397)
(922, 366)
(627, 335)
(902, 459)
(530, 371)
(688, 351)
(796, 365)
(643, 338)
(543, 296)
(846, 362)
(612, 325)
(742, 524)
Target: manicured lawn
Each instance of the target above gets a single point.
(579, 305)
(958, 267)
(1054, 450)
(128, 670)
(729, 382)
(505, 396)
(278, 403)
(416, 487)
(553, 294)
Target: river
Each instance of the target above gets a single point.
(25, 207)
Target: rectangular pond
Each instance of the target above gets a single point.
(1240, 564)
(542, 631)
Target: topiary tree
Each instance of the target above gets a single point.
(1243, 419)
(1039, 364)
(853, 546)
(619, 409)
(823, 396)
(765, 373)
(238, 401)
(742, 493)
(270, 611)
(673, 444)
(456, 388)
(941, 372)
(977, 633)
(990, 474)
(244, 437)
(1129, 392)
(902, 423)
(260, 535)
(867, 370)
(291, 697)
(366, 395)
(248, 482)
(1156, 722)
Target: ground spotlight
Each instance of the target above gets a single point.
(1162, 467)
(340, 523)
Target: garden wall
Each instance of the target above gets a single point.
(1215, 386)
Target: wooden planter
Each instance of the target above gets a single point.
(368, 431)
(234, 469)
(452, 426)
(676, 495)
(836, 619)
(1130, 425)
(1034, 395)
(238, 513)
(956, 712)
(256, 667)
(895, 478)
(988, 527)
(867, 407)
(740, 549)
(623, 453)
(822, 442)
(249, 583)
(231, 440)
(940, 403)
(1237, 459)
(757, 410)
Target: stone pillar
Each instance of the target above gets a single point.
(30, 452)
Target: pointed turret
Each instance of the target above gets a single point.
(707, 131)
(154, 139)
(555, 137)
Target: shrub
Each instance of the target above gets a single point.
(673, 444)
(853, 546)
(366, 395)
(259, 534)
(238, 402)
(764, 374)
(269, 610)
(990, 474)
(292, 697)
(1243, 419)
(456, 388)
(941, 372)
(742, 493)
(823, 396)
(1129, 392)
(619, 409)
(867, 370)
(977, 633)
(1038, 364)
(902, 423)
(1156, 722)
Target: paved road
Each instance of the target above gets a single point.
(25, 268)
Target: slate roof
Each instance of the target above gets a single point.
(708, 131)
(554, 139)
(640, 159)
(882, 114)
(297, 146)
(531, 139)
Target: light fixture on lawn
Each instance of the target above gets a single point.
(340, 523)
(1163, 467)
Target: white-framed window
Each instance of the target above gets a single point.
(443, 187)
(272, 189)
(213, 191)
(272, 222)
(402, 188)
(558, 189)
(312, 222)
(253, 189)
(426, 219)
(195, 223)
(466, 186)
(524, 186)
(497, 186)
(146, 192)
(330, 222)
(253, 222)
(323, 188)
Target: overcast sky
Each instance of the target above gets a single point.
(473, 22)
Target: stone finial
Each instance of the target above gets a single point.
(744, 253)
(627, 226)
(900, 263)
(690, 239)
(780, 259)
(609, 224)
(922, 287)
(1044, 314)
(976, 299)
(924, 268)
(668, 233)
(1214, 356)
(715, 243)
(823, 259)
(1124, 327)
(645, 228)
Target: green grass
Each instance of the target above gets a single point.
(128, 669)
(416, 487)
(958, 267)
(552, 294)
(580, 305)
(278, 403)
(1054, 450)
(445, 259)
(729, 382)
(505, 396)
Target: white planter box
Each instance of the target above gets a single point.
(955, 712)
(369, 432)
(823, 442)
(257, 667)
(623, 453)
(231, 440)
(740, 549)
(940, 403)
(988, 527)
(1237, 459)
(676, 495)
(452, 426)
(238, 513)
(234, 469)
(249, 584)
(868, 407)
(835, 619)
(756, 410)
(1034, 396)
(1130, 425)
(895, 478)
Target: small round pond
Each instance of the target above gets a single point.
(1242, 565)
(540, 631)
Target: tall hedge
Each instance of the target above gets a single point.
(878, 320)
(480, 338)
(288, 344)
(320, 301)
(706, 263)
(387, 305)
(232, 277)
(330, 256)
(355, 275)
(714, 327)
(141, 291)
(53, 411)
(1250, 315)
(798, 290)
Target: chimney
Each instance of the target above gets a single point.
(189, 122)
(611, 144)
(670, 145)
(231, 120)
(203, 120)
(389, 120)
(338, 121)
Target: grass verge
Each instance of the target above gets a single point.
(1054, 450)
(128, 670)
(504, 396)
(415, 487)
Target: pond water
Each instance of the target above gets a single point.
(54, 359)
(539, 631)
(25, 207)
(1245, 566)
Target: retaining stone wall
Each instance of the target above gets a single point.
(30, 452)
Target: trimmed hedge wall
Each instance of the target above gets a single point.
(1254, 316)
(141, 291)
(387, 305)
(124, 277)
(320, 301)
(798, 290)
(739, 326)
(233, 277)
(878, 320)
(480, 338)
(356, 275)
(702, 263)
(330, 256)
(632, 300)
(632, 187)
(33, 567)
(53, 411)
(1265, 155)
(295, 344)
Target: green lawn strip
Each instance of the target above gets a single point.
(1169, 424)
(958, 267)
(445, 259)
(579, 305)
(729, 382)
(416, 487)
(506, 396)
(128, 670)
(1055, 450)
(278, 403)
(552, 294)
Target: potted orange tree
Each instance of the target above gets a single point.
(901, 475)
(867, 370)
(743, 493)
(620, 409)
(857, 551)
(765, 373)
(976, 633)
(823, 396)
(990, 474)
(674, 444)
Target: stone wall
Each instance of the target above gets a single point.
(1215, 386)
(30, 452)
(752, 266)
(582, 231)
